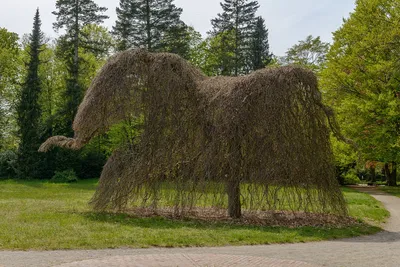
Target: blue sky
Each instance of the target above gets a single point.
(287, 20)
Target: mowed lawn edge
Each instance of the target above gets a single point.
(38, 215)
(394, 191)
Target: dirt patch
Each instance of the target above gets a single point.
(267, 218)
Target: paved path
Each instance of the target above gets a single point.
(382, 249)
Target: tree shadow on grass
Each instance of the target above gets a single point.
(158, 222)
(317, 233)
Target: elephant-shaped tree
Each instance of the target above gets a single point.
(208, 144)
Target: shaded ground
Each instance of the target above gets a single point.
(382, 249)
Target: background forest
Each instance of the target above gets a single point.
(42, 81)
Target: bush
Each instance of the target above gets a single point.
(351, 178)
(91, 164)
(68, 176)
(8, 161)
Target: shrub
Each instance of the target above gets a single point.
(91, 164)
(67, 176)
(8, 161)
(351, 178)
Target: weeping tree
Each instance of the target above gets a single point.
(221, 145)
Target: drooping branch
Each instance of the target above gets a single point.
(244, 144)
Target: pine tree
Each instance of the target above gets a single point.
(260, 55)
(28, 110)
(238, 16)
(73, 15)
(148, 24)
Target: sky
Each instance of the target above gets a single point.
(288, 21)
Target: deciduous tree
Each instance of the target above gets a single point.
(310, 53)
(362, 80)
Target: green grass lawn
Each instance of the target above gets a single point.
(43, 216)
(395, 191)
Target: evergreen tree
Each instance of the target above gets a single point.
(238, 16)
(73, 15)
(178, 40)
(149, 24)
(260, 55)
(29, 111)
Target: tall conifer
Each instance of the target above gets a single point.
(149, 24)
(259, 55)
(28, 110)
(238, 17)
(73, 15)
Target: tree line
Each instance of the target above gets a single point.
(43, 82)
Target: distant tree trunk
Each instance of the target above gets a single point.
(394, 174)
(148, 25)
(234, 205)
(391, 175)
(372, 173)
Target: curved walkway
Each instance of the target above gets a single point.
(382, 249)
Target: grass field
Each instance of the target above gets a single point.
(395, 191)
(43, 216)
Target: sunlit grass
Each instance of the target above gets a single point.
(41, 215)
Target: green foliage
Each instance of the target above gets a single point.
(67, 176)
(309, 53)
(9, 63)
(96, 40)
(73, 16)
(212, 55)
(351, 178)
(29, 110)
(361, 79)
(181, 40)
(52, 72)
(259, 54)
(235, 27)
(154, 25)
(10, 74)
(8, 163)
(92, 158)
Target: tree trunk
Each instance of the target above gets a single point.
(394, 174)
(372, 173)
(237, 41)
(391, 176)
(76, 43)
(234, 205)
(148, 26)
